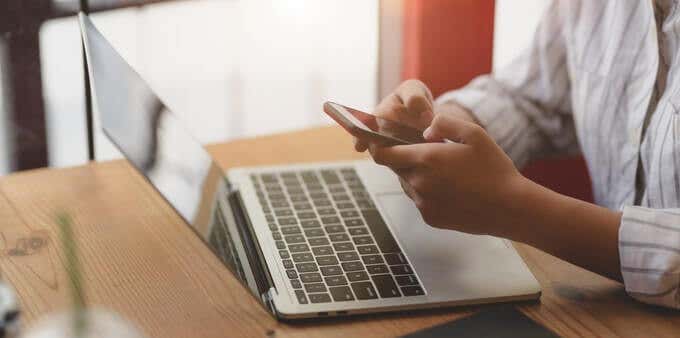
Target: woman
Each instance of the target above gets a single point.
(601, 77)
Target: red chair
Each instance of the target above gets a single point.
(446, 44)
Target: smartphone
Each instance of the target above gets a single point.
(373, 129)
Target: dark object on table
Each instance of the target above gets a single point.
(501, 321)
(9, 312)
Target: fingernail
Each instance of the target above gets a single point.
(427, 132)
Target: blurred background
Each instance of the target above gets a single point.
(228, 68)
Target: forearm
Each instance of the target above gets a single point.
(576, 231)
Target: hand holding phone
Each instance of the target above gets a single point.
(373, 129)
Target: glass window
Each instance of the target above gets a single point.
(228, 68)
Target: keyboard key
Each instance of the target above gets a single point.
(412, 291)
(354, 222)
(306, 267)
(358, 231)
(301, 297)
(364, 290)
(284, 254)
(372, 259)
(341, 293)
(315, 232)
(344, 246)
(315, 287)
(319, 298)
(276, 196)
(330, 220)
(292, 239)
(310, 223)
(330, 270)
(298, 198)
(322, 250)
(280, 245)
(268, 178)
(326, 260)
(280, 204)
(395, 259)
(333, 229)
(406, 280)
(313, 277)
(287, 221)
(353, 266)
(296, 191)
(338, 237)
(336, 280)
(337, 189)
(295, 283)
(368, 249)
(349, 213)
(276, 235)
(401, 269)
(292, 274)
(348, 256)
(365, 204)
(309, 175)
(330, 177)
(322, 203)
(318, 195)
(386, 286)
(290, 230)
(314, 187)
(302, 206)
(341, 197)
(287, 263)
(356, 276)
(303, 257)
(382, 235)
(363, 240)
(345, 205)
(292, 184)
(306, 215)
(326, 212)
(377, 269)
(269, 218)
(283, 212)
(316, 241)
(298, 247)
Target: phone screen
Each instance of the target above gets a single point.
(387, 128)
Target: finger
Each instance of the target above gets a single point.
(393, 109)
(410, 192)
(401, 156)
(415, 96)
(454, 129)
(360, 145)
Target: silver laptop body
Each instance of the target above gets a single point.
(312, 240)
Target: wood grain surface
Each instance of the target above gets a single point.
(140, 260)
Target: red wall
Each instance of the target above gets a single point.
(449, 42)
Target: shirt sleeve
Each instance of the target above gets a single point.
(649, 249)
(525, 107)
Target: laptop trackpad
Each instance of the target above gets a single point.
(450, 264)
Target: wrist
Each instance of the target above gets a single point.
(526, 204)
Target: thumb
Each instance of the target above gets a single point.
(444, 127)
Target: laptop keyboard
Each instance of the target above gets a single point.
(332, 241)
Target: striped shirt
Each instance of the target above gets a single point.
(602, 78)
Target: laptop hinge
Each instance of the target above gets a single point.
(265, 283)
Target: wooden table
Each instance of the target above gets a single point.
(140, 260)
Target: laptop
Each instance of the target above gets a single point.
(307, 240)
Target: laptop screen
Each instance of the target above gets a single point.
(159, 147)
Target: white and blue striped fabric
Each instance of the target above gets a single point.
(603, 78)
